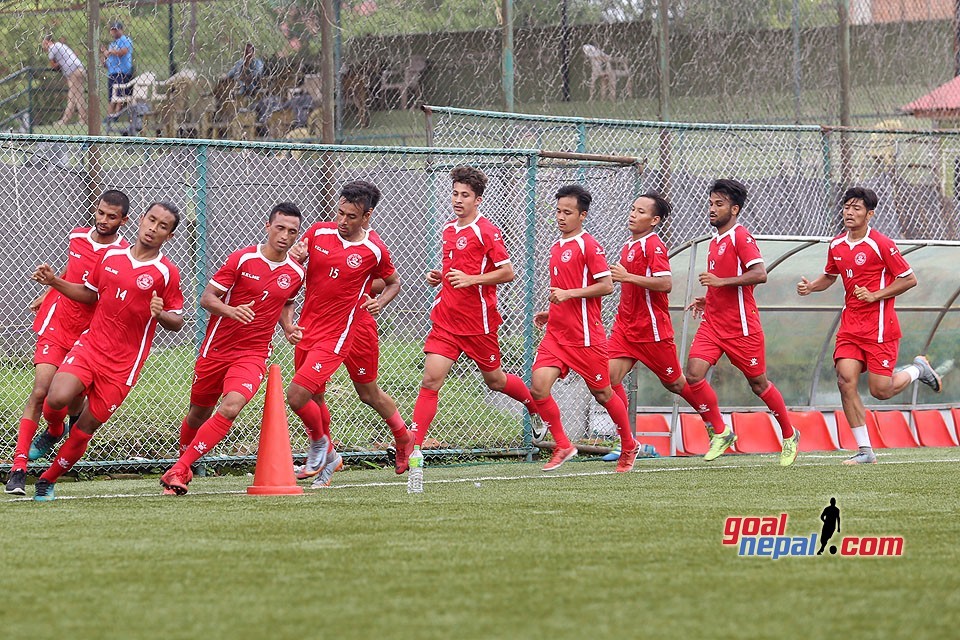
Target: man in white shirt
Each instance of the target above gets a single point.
(63, 58)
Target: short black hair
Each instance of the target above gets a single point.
(116, 198)
(472, 177)
(285, 208)
(868, 196)
(169, 206)
(663, 208)
(356, 193)
(371, 188)
(734, 190)
(582, 195)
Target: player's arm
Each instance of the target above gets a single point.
(756, 273)
(391, 287)
(291, 330)
(77, 292)
(806, 287)
(211, 300)
(459, 279)
(895, 288)
(619, 273)
(602, 286)
(167, 319)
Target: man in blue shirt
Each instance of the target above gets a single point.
(118, 59)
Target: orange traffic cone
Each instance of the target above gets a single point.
(274, 475)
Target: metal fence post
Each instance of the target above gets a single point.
(529, 292)
(29, 99)
(200, 260)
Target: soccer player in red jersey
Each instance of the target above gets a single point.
(465, 316)
(575, 337)
(731, 320)
(246, 297)
(344, 258)
(363, 363)
(135, 289)
(874, 273)
(642, 330)
(59, 322)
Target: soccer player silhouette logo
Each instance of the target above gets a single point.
(831, 521)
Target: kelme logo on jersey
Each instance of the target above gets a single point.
(144, 281)
(354, 260)
(860, 258)
(283, 281)
(462, 243)
(566, 255)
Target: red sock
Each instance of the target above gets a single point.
(312, 418)
(622, 394)
(70, 451)
(424, 411)
(397, 427)
(28, 429)
(618, 411)
(774, 401)
(550, 414)
(325, 419)
(187, 434)
(208, 436)
(516, 389)
(54, 418)
(703, 399)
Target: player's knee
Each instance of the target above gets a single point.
(297, 396)
(231, 408)
(693, 377)
(539, 393)
(846, 383)
(37, 394)
(758, 386)
(676, 386)
(881, 392)
(602, 395)
(369, 396)
(431, 382)
(496, 383)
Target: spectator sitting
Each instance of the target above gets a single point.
(301, 104)
(247, 73)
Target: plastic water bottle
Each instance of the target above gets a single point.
(415, 474)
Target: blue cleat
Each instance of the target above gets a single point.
(45, 490)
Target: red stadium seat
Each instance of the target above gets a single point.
(694, 434)
(932, 429)
(654, 423)
(814, 433)
(845, 436)
(894, 429)
(755, 433)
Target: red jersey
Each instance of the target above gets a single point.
(732, 311)
(60, 316)
(872, 262)
(475, 249)
(122, 328)
(248, 276)
(575, 263)
(644, 315)
(339, 274)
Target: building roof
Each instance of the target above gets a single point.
(944, 101)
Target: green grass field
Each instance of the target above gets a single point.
(490, 551)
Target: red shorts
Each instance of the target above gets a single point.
(745, 352)
(484, 349)
(49, 351)
(363, 359)
(591, 363)
(879, 358)
(106, 391)
(213, 378)
(315, 367)
(659, 357)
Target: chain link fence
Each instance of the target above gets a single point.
(770, 61)
(226, 190)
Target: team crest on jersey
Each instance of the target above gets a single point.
(462, 243)
(566, 255)
(860, 258)
(631, 256)
(144, 281)
(721, 249)
(354, 260)
(283, 281)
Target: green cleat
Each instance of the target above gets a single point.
(790, 447)
(719, 443)
(44, 490)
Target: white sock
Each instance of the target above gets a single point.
(863, 438)
(913, 371)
